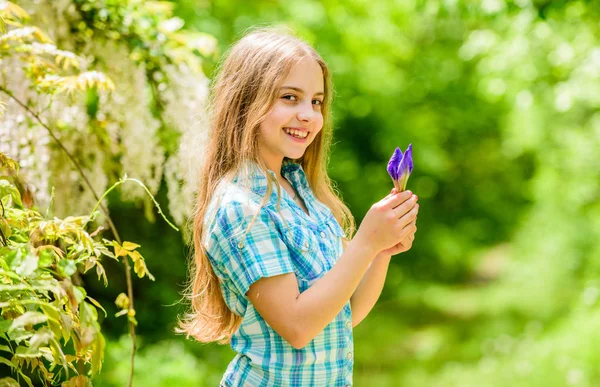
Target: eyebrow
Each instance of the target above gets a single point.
(299, 90)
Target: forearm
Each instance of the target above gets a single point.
(369, 289)
(317, 306)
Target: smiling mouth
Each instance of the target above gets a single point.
(299, 134)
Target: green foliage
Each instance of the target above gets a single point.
(500, 100)
(44, 64)
(168, 363)
(47, 320)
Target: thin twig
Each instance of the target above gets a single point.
(108, 219)
(4, 241)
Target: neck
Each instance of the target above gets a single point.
(274, 164)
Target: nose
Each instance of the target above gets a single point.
(306, 112)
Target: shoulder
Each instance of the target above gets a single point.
(233, 207)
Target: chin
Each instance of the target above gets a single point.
(295, 155)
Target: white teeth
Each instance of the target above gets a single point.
(295, 133)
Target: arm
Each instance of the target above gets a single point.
(371, 285)
(369, 289)
(299, 317)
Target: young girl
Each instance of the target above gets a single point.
(271, 273)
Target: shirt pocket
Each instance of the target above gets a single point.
(334, 235)
(305, 253)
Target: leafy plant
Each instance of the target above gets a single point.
(44, 308)
(119, 58)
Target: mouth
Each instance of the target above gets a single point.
(296, 134)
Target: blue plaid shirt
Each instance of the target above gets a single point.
(309, 246)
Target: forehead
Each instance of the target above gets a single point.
(306, 74)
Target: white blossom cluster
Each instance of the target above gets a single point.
(129, 120)
(185, 100)
(21, 138)
(124, 116)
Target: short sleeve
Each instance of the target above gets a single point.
(244, 259)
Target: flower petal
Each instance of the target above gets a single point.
(392, 166)
(409, 160)
(405, 168)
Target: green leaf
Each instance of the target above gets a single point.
(41, 337)
(23, 351)
(97, 305)
(2, 26)
(7, 362)
(78, 381)
(98, 353)
(28, 318)
(5, 325)
(5, 227)
(47, 258)
(79, 293)
(28, 265)
(26, 378)
(67, 267)
(122, 301)
(7, 189)
(57, 352)
(129, 246)
(8, 382)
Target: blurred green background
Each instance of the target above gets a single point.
(500, 100)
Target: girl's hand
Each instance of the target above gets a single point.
(390, 222)
(405, 244)
(402, 246)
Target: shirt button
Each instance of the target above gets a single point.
(323, 235)
(240, 245)
(348, 325)
(349, 356)
(306, 245)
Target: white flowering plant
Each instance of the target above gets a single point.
(123, 83)
(89, 90)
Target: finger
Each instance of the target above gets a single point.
(409, 216)
(406, 206)
(410, 227)
(392, 192)
(408, 230)
(394, 200)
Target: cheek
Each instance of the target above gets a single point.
(279, 116)
(319, 122)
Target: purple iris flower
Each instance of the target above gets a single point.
(400, 167)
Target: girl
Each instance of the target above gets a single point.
(271, 274)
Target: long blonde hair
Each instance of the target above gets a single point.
(241, 96)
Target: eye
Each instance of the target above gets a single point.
(290, 97)
(317, 102)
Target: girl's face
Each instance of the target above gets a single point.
(296, 117)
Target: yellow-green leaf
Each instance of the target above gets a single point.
(122, 301)
(130, 246)
(78, 381)
(8, 382)
(28, 318)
